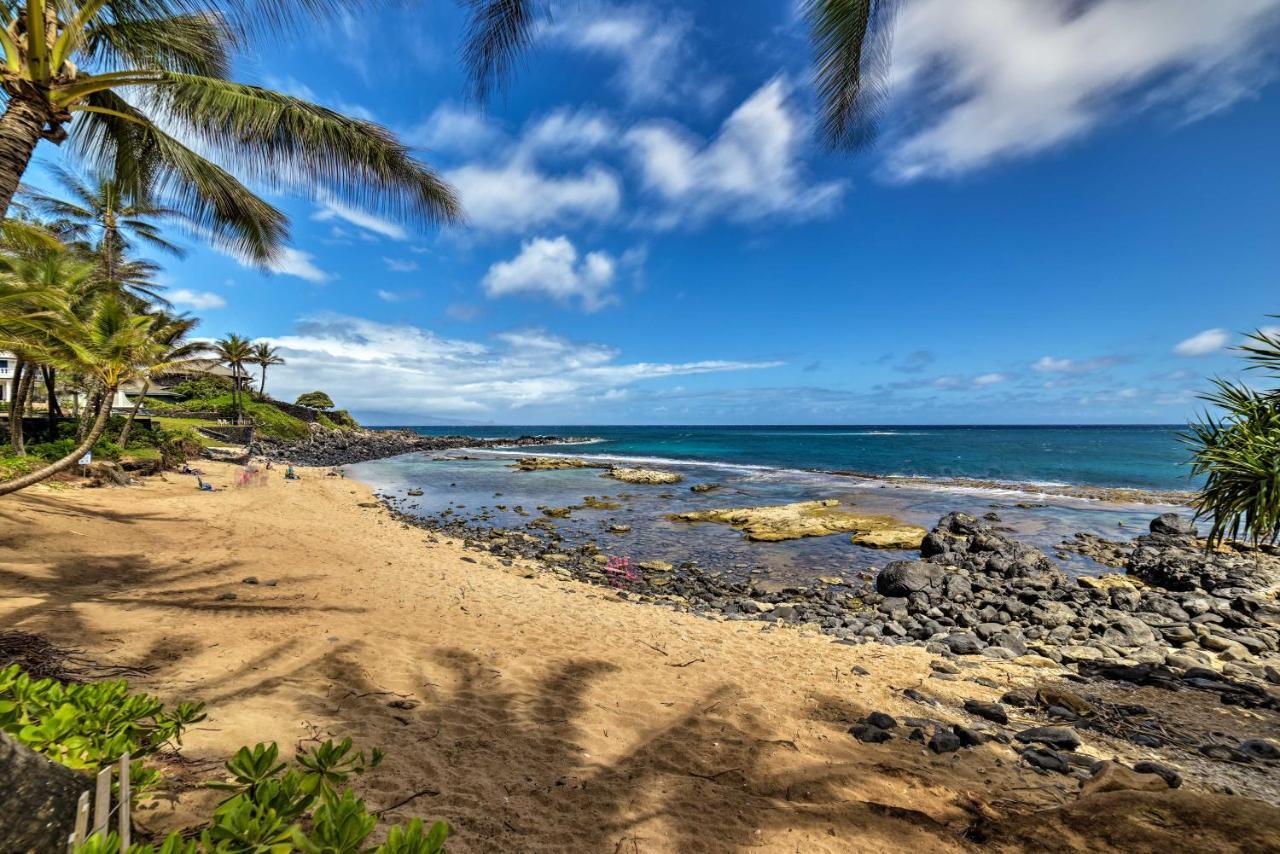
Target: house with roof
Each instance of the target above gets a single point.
(7, 364)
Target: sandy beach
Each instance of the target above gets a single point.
(530, 712)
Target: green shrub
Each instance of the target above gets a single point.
(315, 400)
(11, 467)
(202, 387)
(276, 423)
(103, 449)
(90, 726)
(344, 419)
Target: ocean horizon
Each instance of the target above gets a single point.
(1134, 456)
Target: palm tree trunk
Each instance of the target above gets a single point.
(99, 424)
(92, 403)
(262, 389)
(15, 403)
(133, 413)
(18, 408)
(21, 128)
(54, 412)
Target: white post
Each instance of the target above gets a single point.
(102, 802)
(82, 819)
(124, 803)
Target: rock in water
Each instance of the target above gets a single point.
(552, 464)
(1173, 525)
(37, 800)
(793, 521)
(645, 476)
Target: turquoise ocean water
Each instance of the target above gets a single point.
(756, 466)
(1149, 457)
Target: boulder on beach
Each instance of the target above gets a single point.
(793, 521)
(551, 464)
(650, 476)
(902, 537)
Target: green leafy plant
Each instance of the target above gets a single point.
(315, 400)
(1238, 451)
(90, 726)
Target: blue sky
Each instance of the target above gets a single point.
(1069, 214)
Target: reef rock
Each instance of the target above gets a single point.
(649, 476)
(793, 521)
(551, 464)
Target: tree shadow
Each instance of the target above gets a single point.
(505, 763)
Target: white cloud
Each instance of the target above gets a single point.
(295, 262)
(1203, 343)
(750, 171)
(200, 300)
(656, 62)
(1052, 364)
(1012, 77)
(397, 296)
(517, 196)
(377, 367)
(361, 219)
(553, 267)
(455, 129)
(397, 265)
(989, 379)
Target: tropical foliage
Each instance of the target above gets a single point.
(315, 400)
(271, 805)
(1236, 447)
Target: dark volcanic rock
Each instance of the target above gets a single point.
(1059, 737)
(944, 742)
(869, 734)
(1171, 524)
(990, 711)
(881, 720)
(325, 447)
(1045, 760)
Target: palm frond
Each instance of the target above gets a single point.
(191, 43)
(212, 202)
(289, 144)
(498, 31)
(851, 40)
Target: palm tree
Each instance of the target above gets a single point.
(131, 82)
(27, 262)
(264, 356)
(172, 346)
(108, 346)
(1239, 451)
(234, 350)
(100, 212)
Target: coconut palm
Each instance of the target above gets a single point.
(27, 263)
(235, 351)
(172, 347)
(1239, 451)
(100, 212)
(109, 346)
(141, 90)
(264, 356)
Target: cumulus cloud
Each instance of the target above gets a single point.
(990, 379)
(552, 267)
(199, 300)
(1203, 343)
(1006, 78)
(406, 370)
(656, 61)
(750, 170)
(450, 128)
(517, 195)
(295, 262)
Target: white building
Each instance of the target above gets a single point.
(7, 364)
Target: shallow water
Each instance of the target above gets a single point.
(472, 488)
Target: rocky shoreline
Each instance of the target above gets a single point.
(326, 447)
(1179, 618)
